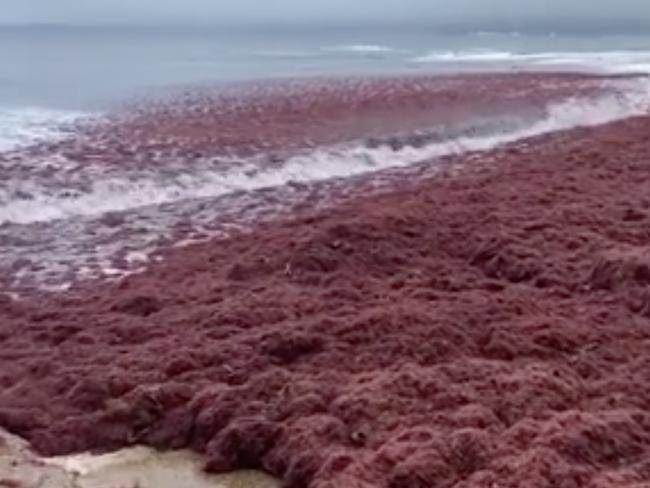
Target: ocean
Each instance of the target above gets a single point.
(160, 169)
(55, 74)
(74, 68)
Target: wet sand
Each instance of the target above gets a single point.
(486, 326)
(134, 467)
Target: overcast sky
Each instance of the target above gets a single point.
(273, 11)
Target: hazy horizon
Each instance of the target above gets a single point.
(630, 27)
(499, 15)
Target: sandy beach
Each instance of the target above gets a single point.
(134, 467)
(486, 324)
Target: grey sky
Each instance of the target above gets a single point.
(437, 11)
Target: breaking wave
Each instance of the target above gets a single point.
(29, 125)
(25, 202)
(606, 61)
(361, 49)
(352, 50)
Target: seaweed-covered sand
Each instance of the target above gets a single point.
(485, 326)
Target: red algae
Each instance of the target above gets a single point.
(483, 328)
(291, 115)
(103, 201)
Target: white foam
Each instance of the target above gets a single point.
(125, 192)
(21, 127)
(605, 61)
(362, 49)
(465, 56)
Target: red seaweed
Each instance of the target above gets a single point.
(486, 328)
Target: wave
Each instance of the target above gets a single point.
(466, 56)
(21, 127)
(361, 49)
(368, 50)
(351, 49)
(606, 61)
(38, 201)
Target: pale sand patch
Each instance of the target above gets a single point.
(135, 467)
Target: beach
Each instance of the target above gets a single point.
(477, 317)
(140, 466)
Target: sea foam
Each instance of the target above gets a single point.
(40, 201)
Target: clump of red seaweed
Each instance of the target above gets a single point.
(484, 329)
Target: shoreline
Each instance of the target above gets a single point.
(103, 202)
(141, 467)
(487, 326)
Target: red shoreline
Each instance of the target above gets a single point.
(248, 129)
(292, 115)
(488, 328)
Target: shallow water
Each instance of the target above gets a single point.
(86, 67)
